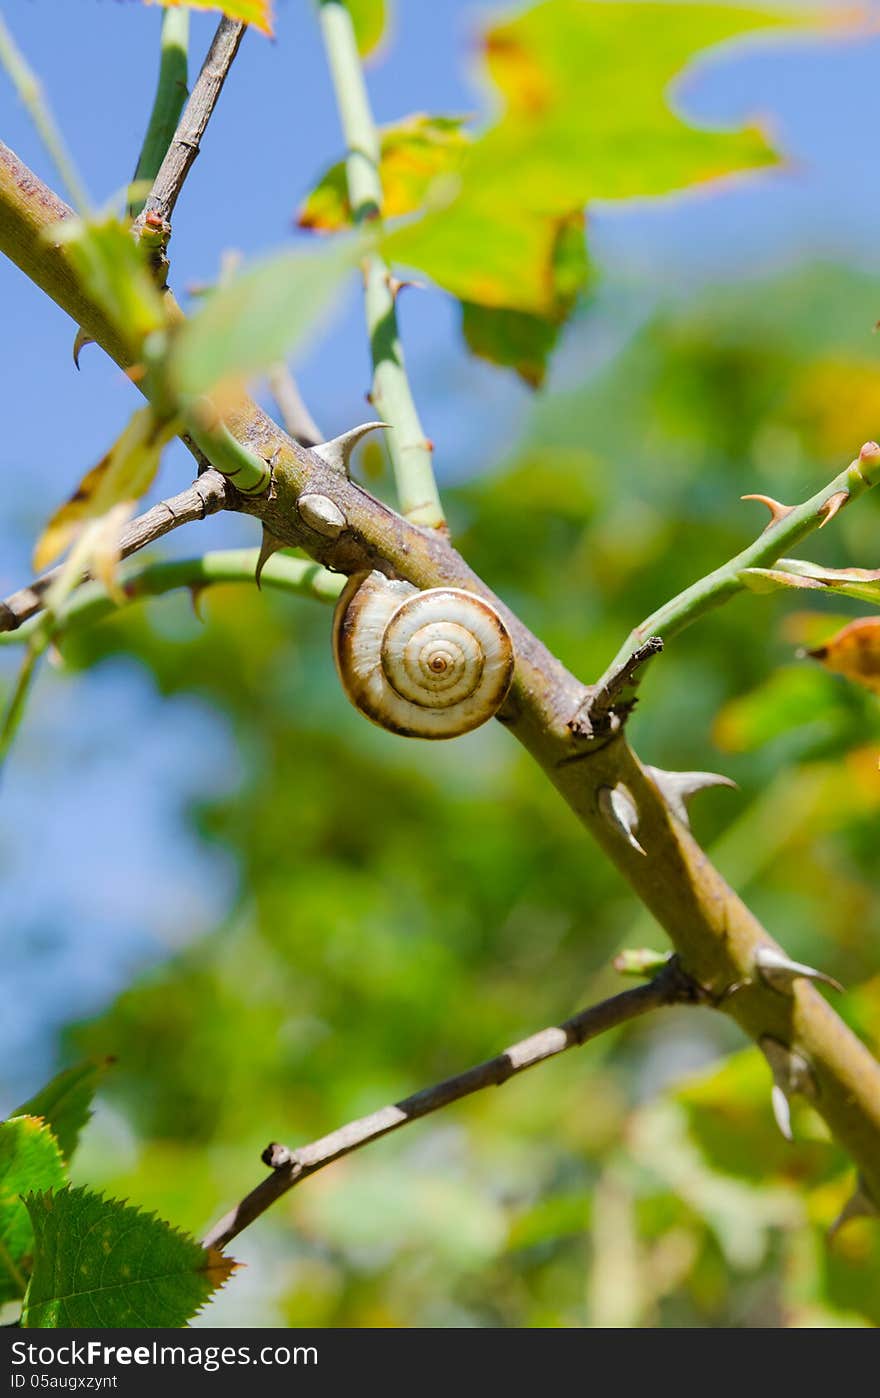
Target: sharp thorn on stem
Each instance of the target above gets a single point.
(337, 452)
(677, 788)
(79, 344)
(779, 971)
(195, 597)
(619, 810)
(791, 1074)
(777, 510)
(858, 1205)
(832, 506)
(270, 544)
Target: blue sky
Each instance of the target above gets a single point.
(76, 924)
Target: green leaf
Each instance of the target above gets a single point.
(730, 1120)
(587, 116)
(370, 20)
(99, 1262)
(29, 1160)
(415, 153)
(518, 339)
(113, 270)
(64, 1104)
(103, 501)
(254, 320)
(863, 583)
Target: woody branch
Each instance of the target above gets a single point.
(718, 939)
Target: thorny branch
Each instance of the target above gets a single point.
(208, 494)
(290, 1167)
(716, 936)
(187, 138)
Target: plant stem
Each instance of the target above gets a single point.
(27, 85)
(669, 987)
(91, 602)
(168, 103)
(204, 497)
(409, 448)
(725, 582)
(249, 473)
(38, 641)
(713, 931)
(184, 145)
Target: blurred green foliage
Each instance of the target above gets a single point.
(406, 908)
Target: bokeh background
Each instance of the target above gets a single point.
(277, 917)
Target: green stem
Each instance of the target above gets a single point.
(249, 473)
(38, 639)
(408, 446)
(91, 603)
(718, 587)
(168, 103)
(28, 87)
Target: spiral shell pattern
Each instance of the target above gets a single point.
(430, 664)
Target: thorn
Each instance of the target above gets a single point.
(195, 597)
(777, 510)
(336, 453)
(858, 1205)
(781, 1111)
(791, 1074)
(79, 344)
(396, 286)
(677, 788)
(779, 971)
(619, 809)
(270, 544)
(832, 505)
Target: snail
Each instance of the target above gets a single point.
(429, 664)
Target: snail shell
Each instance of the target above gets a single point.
(429, 664)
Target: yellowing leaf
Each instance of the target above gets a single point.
(414, 153)
(587, 116)
(29, 1159)
(255, 12)
(518, 339)
(854, 652)
(107, 494)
